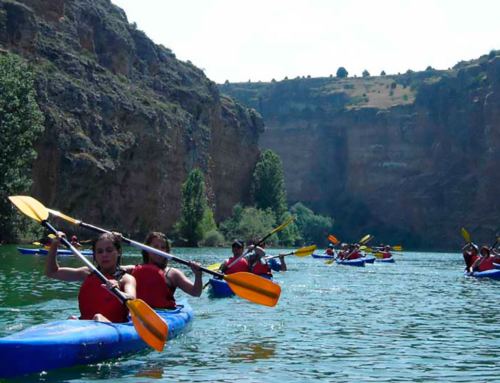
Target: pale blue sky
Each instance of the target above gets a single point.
(239, 40)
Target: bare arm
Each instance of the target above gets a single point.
(283, 264)
(52, 269)
(181, 281)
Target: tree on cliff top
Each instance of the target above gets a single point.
(268, 185)
(366, 73)
(342, 72)
(21, 122)
(193, 208)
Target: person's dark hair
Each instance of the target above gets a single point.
(116, 243)
(486, 249)
(149, 238)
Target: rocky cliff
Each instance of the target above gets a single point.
(409, 158)
(125, 120)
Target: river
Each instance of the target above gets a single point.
(418, 319)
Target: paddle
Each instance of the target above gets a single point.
(333, 239)
(466, 235)
(302, 252)
(246, 285)
(279, 228)
(148, 324)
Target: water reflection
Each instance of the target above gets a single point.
(251, 352)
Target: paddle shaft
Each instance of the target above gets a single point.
(115, 291)
(149, 248)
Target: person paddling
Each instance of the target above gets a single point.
(95, 299)
(156, 282)
(330, 251)
(385, 251)
(75, 243)
(485, 262)
(237, 248)
(470, 253)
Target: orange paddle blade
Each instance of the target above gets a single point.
(148, 324)
(333, 239)
(254, 288)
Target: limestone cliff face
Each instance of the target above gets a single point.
(125, 120)
(409, 169)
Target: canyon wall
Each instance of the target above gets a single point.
(408, 158)
(125, 120)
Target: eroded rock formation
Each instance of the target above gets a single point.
(125, 120)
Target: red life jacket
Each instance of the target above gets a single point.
(153, 288)
(94, 299)
(330, 252)
(261, 268)
(470, 259)
(486, 264)
(240, 266)
(354, 255)
(386, 254)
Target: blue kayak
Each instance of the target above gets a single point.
(69, 343)
(219, 288)
(369, 260)
(493, 274)
(385, 260)
(26, 251)
(360, 262)
(323, 256)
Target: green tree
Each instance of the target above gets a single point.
(193, 208)
(342, 72)
(366, 73)
(268, 185)
(382, 73)
(248, 223)
(21, 122)
(314, 228)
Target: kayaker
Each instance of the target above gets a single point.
(485, 262)
(259, 264)
(75, 243)
(344, 251)
(237, 247)
(385, 251)
(330, 251)
(354, 253)
(95, 299)
(470, 253)
(156, 283)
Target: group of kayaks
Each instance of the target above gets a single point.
(360, 262)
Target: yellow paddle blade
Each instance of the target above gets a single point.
(397, 248)
(378, 255)
(368, 250)
(283, 225)
(214, 267)
(65, 217)
(36, 243)
(330, 261)
(254, 288)
(30, 207)
(364, 239)
(466, 235)
(305, 251)
(51, 236)
(148, 324)
(333, 239)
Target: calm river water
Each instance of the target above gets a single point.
(416, 320)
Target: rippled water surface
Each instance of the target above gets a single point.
(418, 320)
